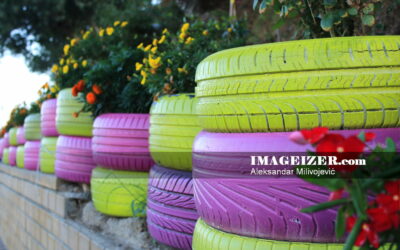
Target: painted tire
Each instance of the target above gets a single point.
(120, 141)
(1, 148)
(119, 193)
(6, 140)
(20, 156)
(340, 83)
(6, 155)
(173, 126)
(32, 127)
(12, 157)
(31, 155)
(48, 118)
(74, 161)
(171, 212)
(21, 136)
(47, 154)
(13, 136)
(206, 237)
(66, 123)
(230, 199)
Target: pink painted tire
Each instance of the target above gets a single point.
(6, 140)
(48, 118)
(1, 148)
(120, 141)
(171, 212)
(74, 161)
(31, 155)
(21, 136)
(12, 158)
(228, 198)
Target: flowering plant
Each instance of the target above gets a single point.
(170, 61)
(370, 210)
(47, 92)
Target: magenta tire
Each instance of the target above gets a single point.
(1, 148)
(31, 155)
(74, 161)
(6, 140)
(48, 118)
(12, 158)
(171, 213)
(259, 206)
(21, 136)
(120, 141)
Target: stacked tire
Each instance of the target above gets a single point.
(121, 152)
(74, 161)
(47, 154)
(1, 148)
(33, 136)
(6, 150)
(21, 147)
(171, 214)
(249, 100)
(12, 158)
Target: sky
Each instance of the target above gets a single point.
(17, 84)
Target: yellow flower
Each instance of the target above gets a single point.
(123, 24)
(76, 65)
(168, 71)
(45, 86)
(61, 61)
(116, 23)
(138, 66)
(165, 31)
(73, 41)
(189, 40)
(54, 68)
(84, 63)
(148, 47)
(66, 49)
(110, 31)
(101, 32)
(205, 32)
(140, 46)
(229, 30)
(182, 70)
(182, 37)
(69, 61)
(86, 35)
(185, 27)
(53, 90)
(145, 60)
(144, 75)
(162, 39)
(154, 50)
(155, 41)
(65, 69)
(154, 62)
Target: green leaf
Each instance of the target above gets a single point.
(278, 24)
(368, 8)
(342, 13)
(340, 225)
(352, 11)
(390, 146)
(368, 20)
(284, 11)
(255, 2)
(323, 206)
(263, 6)
(361, 136)
(348, 245)
(327, 22)
(330, 3)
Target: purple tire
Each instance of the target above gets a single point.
(1, 148)
(120, 141)
(74, 161)
(6, 139)
(12, 158)
(48, 118)
(31, 155)
(171, 213)
(21, 136)
(231, 200)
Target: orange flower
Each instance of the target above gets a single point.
(48, 96)
(80, 85)
(96, 89)
(75, 114)
(74, 91)
(91, 98)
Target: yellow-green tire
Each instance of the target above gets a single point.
(206, 237)
(47, 155)
(119, 193)
(66, 123)
(20, 156)
(173, 127)
(340, 83)
(13, 136)
(6, 155)
(32, 127)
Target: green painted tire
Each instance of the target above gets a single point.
(13, 136)
(47, 154)
(20, 156)
(206, 237)
(341, 83)
(6, 155)
(173, 127)
(32, 127)
(66, 123)
(119, 193)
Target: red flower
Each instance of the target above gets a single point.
(314, 135)
(369, 136)
(380, 219)
(335, 195)
(366, 233)
(74, 91)
(391, 200)
(91, 98)
(96, 89)
(80, 85)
